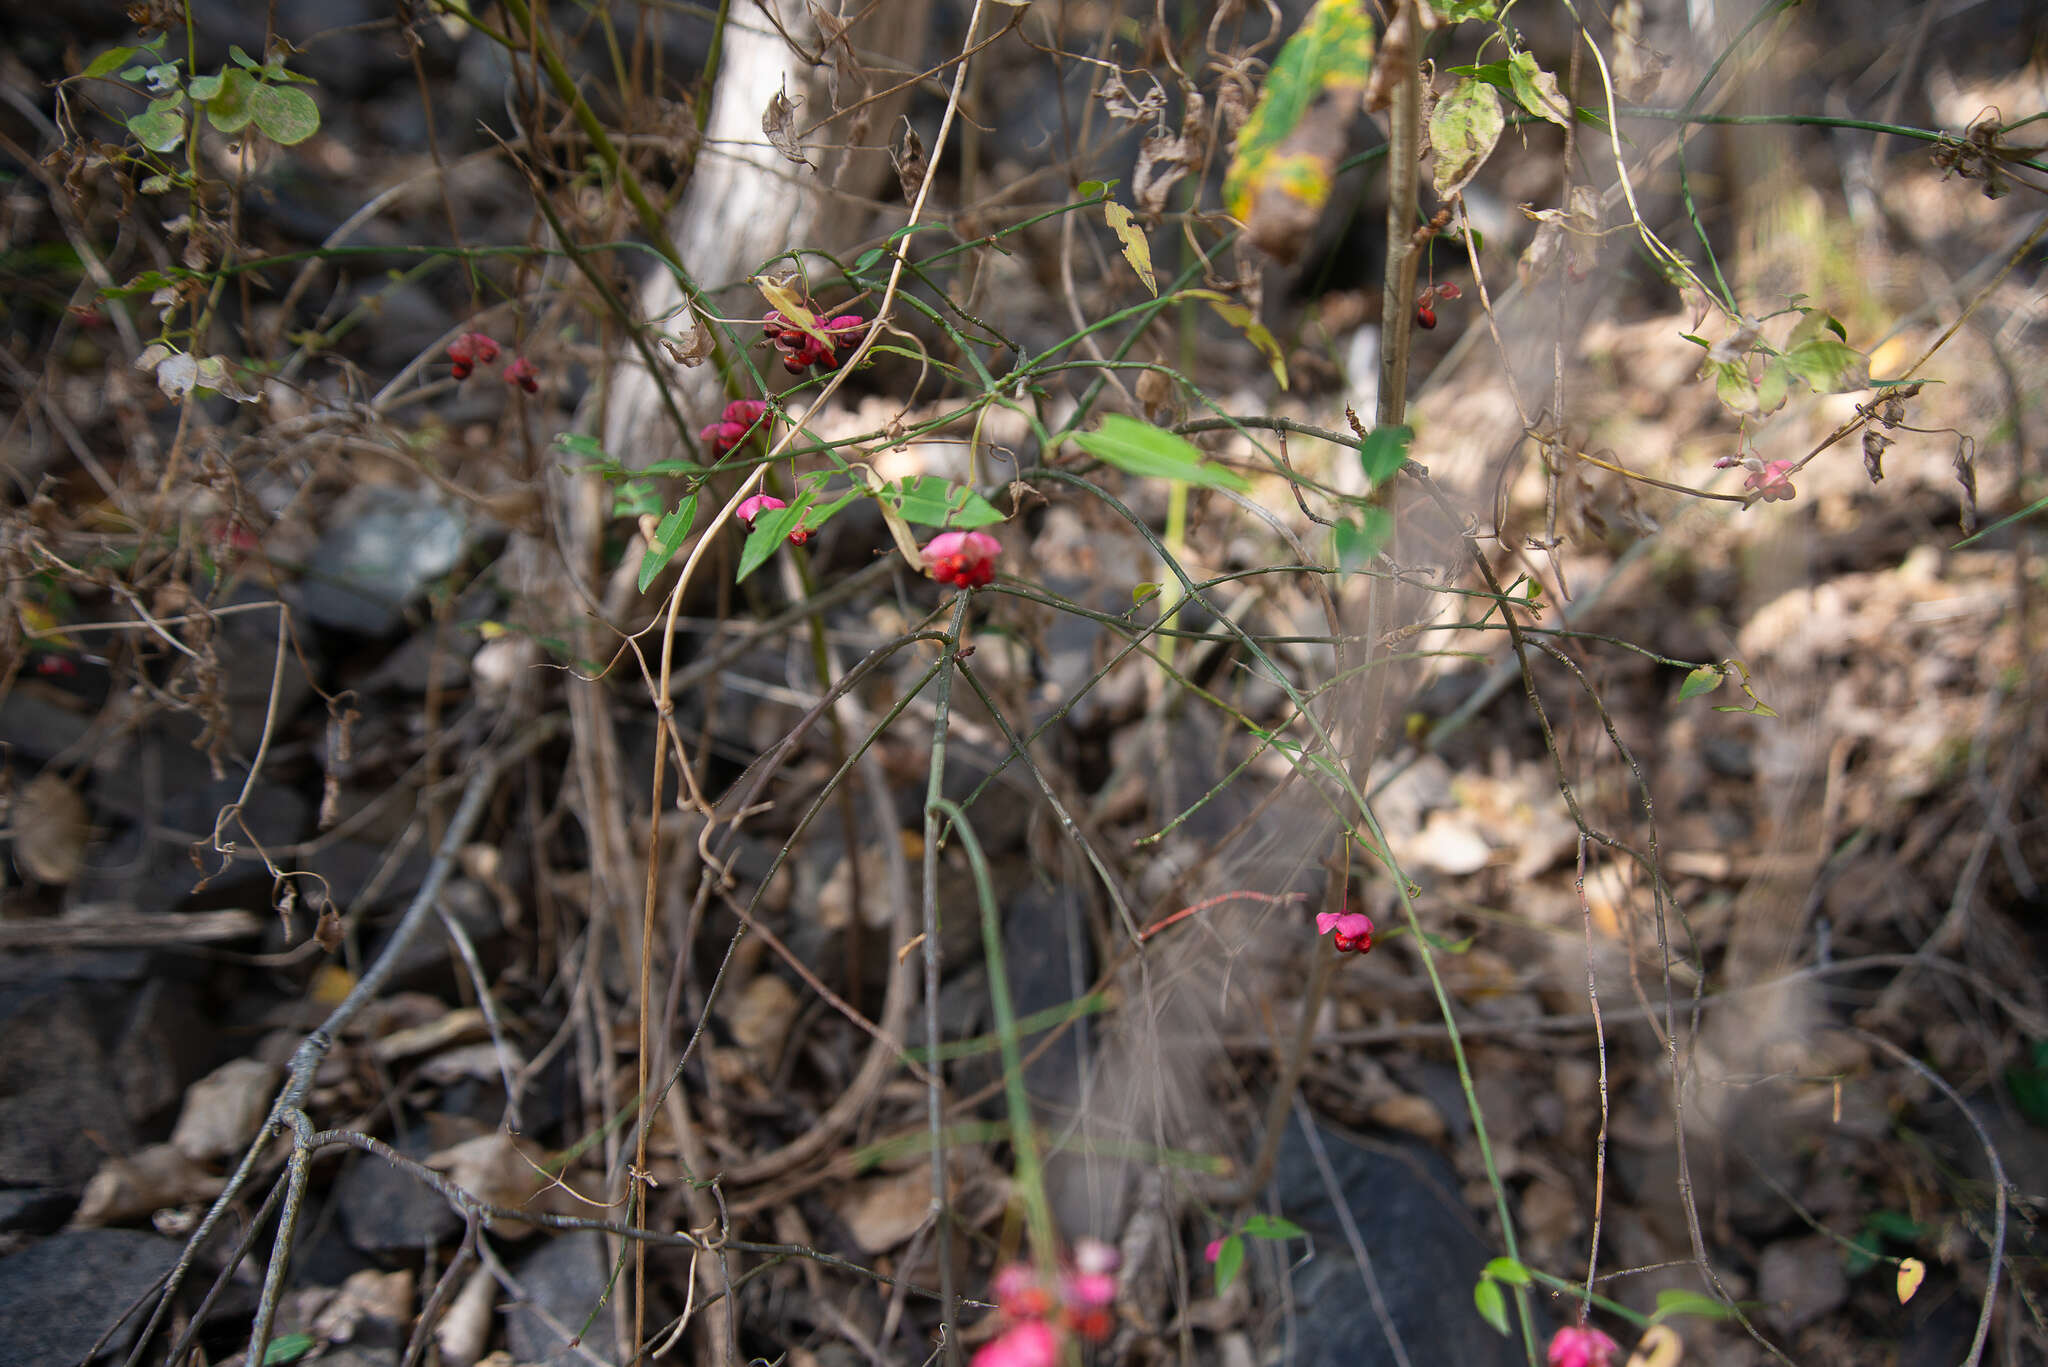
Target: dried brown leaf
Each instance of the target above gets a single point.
(51, 828)
(778, 121)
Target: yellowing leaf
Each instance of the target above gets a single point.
(1659, 1346)
(1255, 332)
(1464, 128)
(1279, 175)
(1137, 250)
(1536, 90)
(1911, 1273)
(331, 982)
(786, 303)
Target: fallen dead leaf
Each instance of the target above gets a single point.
(130, 1188)
(224, 1109)
(885, 1211)
(51, 828)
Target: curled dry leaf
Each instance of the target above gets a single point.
(1165, 158)
(51, 828)
(1125, 107)
(778, 121)
(693, 352)
(500, 1168)
(907, 156)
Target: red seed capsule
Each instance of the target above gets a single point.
(1425, 316)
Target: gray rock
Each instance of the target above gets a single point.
(37, 1210)
(564, 1279)
(1799, 1280)
(382, 547)
(58, 1296)
(1426, 1255)
(383, 1210)
(54, 1087)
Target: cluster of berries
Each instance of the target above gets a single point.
(1350, 931)
(800, 350)
(964, 559)
(1425, 303)
(473, 349)
(1040, 1316)
(740, 418)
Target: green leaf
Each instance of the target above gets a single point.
(636, 498)
(285, 115)
(674, 466)
(1089, 189)
(1138, 448)
(1229, 1262)
(669, 535)
(1896, 1224)
(1774, 387)
(1463, 130)
(1701, 681)
(160, 127)
(1830, 365)
(930, 501)
(1358, 542)
(1676, 1301)
(771, 529)
(1492, 1303)
(154, 185)
(1732, 386)
(1536, 90)
(109, 61)
(1509, 1271)
(230, 110)
(1282, 147)
(288, 1348)
(1496, 74)
(1137, 250)
(584, 445)
(241, 58)
(1447, 944)
(1273, 1227)
(1384, 452)
(1143, 590)
(1452, 11)
(204, 88)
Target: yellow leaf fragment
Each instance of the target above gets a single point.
(785, 302)
(1660, 1346)
(1137, 250)
(1911, 1273)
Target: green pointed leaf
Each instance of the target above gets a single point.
(241, 58)
(587, 447)
(1139, 448)
(1229, 1262)
(1675, 1301)
(1273, 1227)
(1463, 130)
(230, 111)
(1281, 147)
(1384, 453)
(771, 530)
(669, 535)
(1536, 90)
(1509, 1271)
(108, 62)
(2036, 506)
(160, 127)
(1452, 11)
(288, 1348)
(1492, 1303)
(285, 115)
(930, 501)
(1699, 683)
